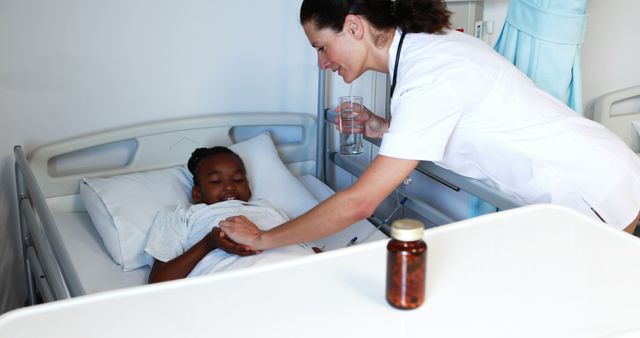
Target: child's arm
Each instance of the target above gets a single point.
(182, 265)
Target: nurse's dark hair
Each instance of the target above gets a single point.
(201, 153)
(411, 16)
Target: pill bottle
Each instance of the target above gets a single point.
(406, 264)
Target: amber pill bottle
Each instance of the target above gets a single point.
(406, 264)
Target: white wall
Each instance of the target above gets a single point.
(71, 67)
(610, 51)
(495, 11)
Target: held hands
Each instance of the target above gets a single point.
(241, 230)
(374, 126)
(220, 240)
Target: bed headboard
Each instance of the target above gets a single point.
(620, 123)
(59, 166)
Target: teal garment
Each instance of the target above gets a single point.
(543, 38)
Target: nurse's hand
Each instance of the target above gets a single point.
(374, 126)
(220, 240)
(241, 230)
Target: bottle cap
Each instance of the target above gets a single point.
(407, 230)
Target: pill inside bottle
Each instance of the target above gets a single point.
(406, 265)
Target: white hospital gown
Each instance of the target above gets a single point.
(177, 229)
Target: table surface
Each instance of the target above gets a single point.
(537, 271)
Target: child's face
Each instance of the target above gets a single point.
(220, 178)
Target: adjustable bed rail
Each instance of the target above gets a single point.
(618, 111)
(445, 177)
(48, 269)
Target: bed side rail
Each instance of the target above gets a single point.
(443, 176)
(47, 262)
(620, 121)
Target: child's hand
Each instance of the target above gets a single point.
(221, 241)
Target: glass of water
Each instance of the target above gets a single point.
(351, 125)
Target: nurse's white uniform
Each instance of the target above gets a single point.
(460, 104)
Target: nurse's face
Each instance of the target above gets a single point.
(341, 52)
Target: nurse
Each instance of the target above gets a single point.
(458, 103)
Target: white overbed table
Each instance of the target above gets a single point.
(538, 271)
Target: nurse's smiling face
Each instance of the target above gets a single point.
(341, 52)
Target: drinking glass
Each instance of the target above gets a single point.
(351, 125)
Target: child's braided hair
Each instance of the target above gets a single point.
(202, 153)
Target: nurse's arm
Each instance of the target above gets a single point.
(335, 213)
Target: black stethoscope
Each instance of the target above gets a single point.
(395, 67)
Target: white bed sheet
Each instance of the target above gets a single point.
(360, 230)
(97, 272)
(95, 268)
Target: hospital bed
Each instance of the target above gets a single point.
(66, 254)
(614, 111)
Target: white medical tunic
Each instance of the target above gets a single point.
(461, 105)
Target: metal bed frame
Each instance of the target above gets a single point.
(44, 266)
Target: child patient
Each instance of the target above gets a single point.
(185, 240)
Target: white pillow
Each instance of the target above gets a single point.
(270, 179)
(122, 207)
